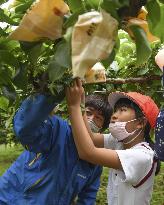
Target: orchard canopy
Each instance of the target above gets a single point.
(44, 44)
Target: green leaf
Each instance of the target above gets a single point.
(120, 3)
(68, 35)
(20, 79)
(154, 13)
(161, 1)
(62, 54)
(27, 46)
(34, 53)
(32, 50)
(22, 8)
(9, 93)
(143, 48)
(110, 59)
(4, 103)
(94, 3)
(55, 71)
(74, 5)
(5, 77)
(2, 32)
(8, 58)
(7, 19)
(156, 18)
(143, 71)
(8, 45)
(3, 1)
(109, 7)
(71, 20)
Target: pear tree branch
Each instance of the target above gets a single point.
(129, 80)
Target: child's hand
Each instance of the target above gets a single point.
(74, 93)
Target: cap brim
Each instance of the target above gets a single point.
(115, 96)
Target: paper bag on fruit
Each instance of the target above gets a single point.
(141, 21)
(96, 74)
(43, 20)
(93, 39)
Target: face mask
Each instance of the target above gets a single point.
(118, 130)
(93, 126)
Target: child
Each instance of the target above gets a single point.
(125, 151)
(50, 172)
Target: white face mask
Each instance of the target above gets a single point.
(93, 126)
(118, 130)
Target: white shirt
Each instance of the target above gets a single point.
(136, 163)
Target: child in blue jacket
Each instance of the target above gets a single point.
(49, 171)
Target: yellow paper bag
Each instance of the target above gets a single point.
(43, 20)
(141, 21)
(96, 74)
(93, 39)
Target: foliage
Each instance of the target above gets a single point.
(45, 66)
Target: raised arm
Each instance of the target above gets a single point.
(85, 146)
(33, 126)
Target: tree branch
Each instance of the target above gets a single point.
(129, 80)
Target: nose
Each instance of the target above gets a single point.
(91, 117)
(114, 116)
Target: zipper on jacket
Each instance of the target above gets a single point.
(35, 159)
(35, 183)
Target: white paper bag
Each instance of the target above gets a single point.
(93, 39)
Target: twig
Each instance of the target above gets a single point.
(129, 80)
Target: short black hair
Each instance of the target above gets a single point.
(130, 104)
(100, 102)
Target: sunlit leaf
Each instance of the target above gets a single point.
(6, 19)
(22, 8)
(4, 102)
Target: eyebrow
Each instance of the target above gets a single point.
(93, 109)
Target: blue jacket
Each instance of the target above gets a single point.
(49, 172)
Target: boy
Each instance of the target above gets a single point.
(50, 172)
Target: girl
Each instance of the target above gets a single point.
(125, 151)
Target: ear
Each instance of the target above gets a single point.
(141, 123)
